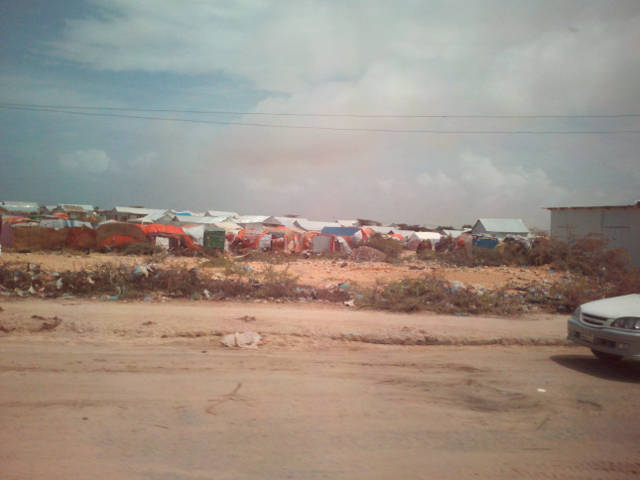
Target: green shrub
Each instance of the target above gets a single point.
(391, 247)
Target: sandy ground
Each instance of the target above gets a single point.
(185, 412)
(289, 325)
(99, 396)
(316, 272)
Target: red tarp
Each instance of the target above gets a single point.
(169, 230)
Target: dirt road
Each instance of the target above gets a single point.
(288, 325)
(161, 412)
(82, 403)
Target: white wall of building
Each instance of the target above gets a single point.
(619, 226)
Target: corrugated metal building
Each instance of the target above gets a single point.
(619, 225)
(500, 227)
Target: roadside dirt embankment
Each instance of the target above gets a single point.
(281, 325)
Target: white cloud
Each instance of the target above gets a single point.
(378, 57)
(85, 161)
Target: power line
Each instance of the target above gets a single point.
(335, 129)
(347, 115)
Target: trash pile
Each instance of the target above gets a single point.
(109, 282)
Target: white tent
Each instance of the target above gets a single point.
(416, 237)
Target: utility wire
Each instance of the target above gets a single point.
(334, 129)
(348, 115)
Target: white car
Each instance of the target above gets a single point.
(609, 327)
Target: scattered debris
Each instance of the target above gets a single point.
(241, 340)
(51, 325)
(368, 254)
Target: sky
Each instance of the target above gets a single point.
(365, 79)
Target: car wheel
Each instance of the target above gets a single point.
(607, 357)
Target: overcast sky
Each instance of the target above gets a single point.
(331, 57)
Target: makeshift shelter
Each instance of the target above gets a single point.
(76, 210)
(59, 223)
(354, 236)
(289, 222)
(221, 213)
(248, 238)
(27, 237)
(452, 233)
(382, 230)
(327, 243)
(116, 234)
(500, 227)
(485, 242)
(81, 238)
(180, 238)
(23, 208)
(185, 219)
(163, 217)
(417, 237)
(129, 214)
(6, 234)
(214, 238)
(285, 239)
(256, 221)
(314, 226)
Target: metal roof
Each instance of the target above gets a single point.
(289, 221)
(635, 205)
(221, 213)
(251, 218)
(138, 210)
(28, 207)
(198, 219)
(154, 217)
(504, 225)
(76, 207)
(314, 226)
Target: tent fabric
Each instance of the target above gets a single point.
(313, 226)
(249, 237)
(116, 241)
(121, 229)
(171, 230)
(81, 238)
(340, 231)
(13, 219)
(6, 234)
(500, 225)
(59, 223)
(416, 237)
(38, 238)
(196, 232)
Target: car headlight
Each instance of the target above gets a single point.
(630, 323)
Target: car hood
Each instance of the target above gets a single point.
(624, 306)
